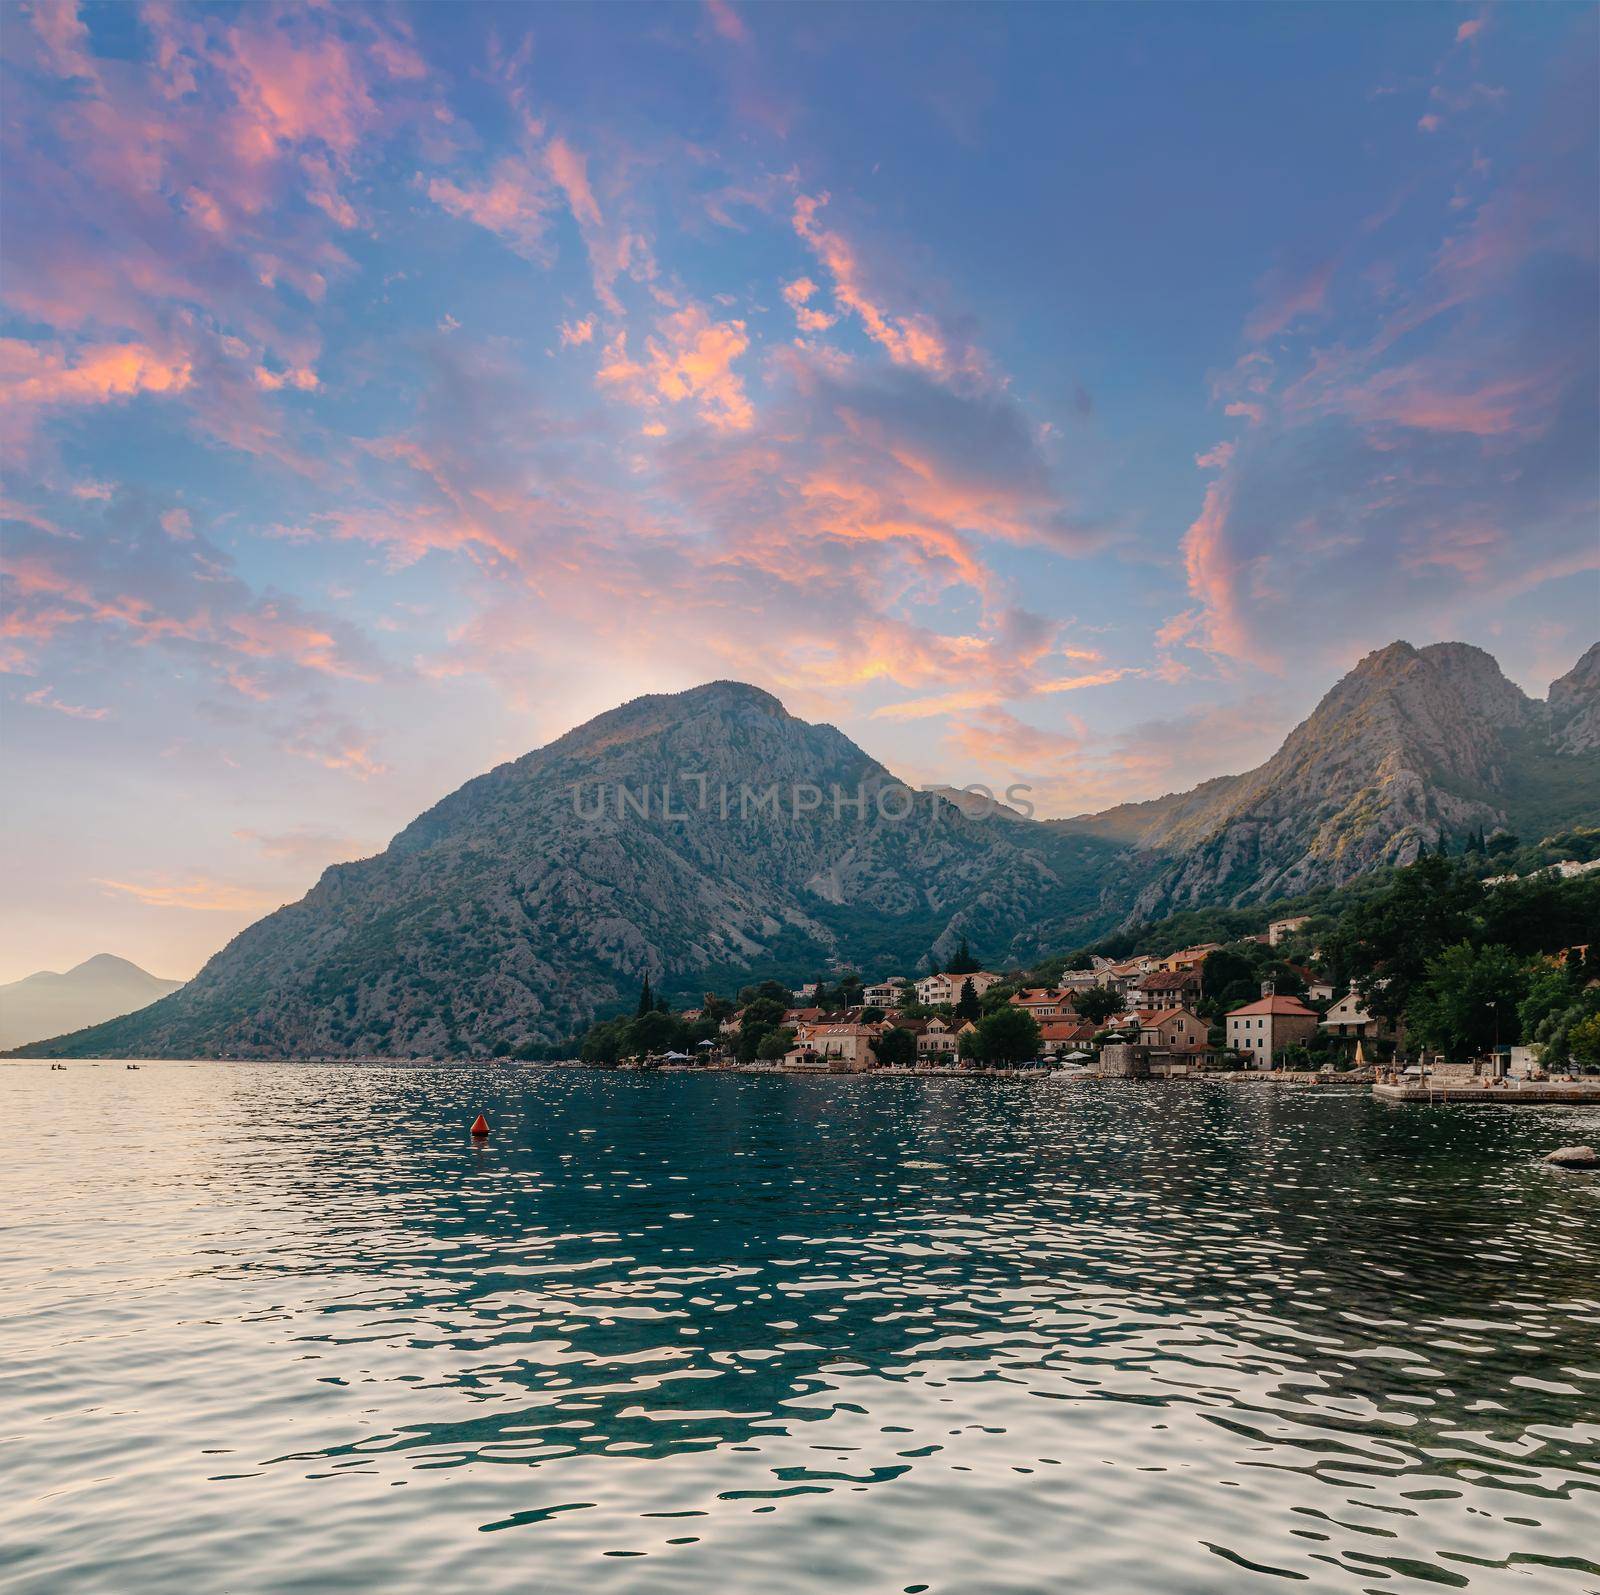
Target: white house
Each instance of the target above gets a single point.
(935, 989)
(888, 994)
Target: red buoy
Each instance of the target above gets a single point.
(480, 1125)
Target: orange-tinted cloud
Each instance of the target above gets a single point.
(910, 340)
(45, 698)
(198, 893)
(514, 204)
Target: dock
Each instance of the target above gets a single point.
(1530, 1093)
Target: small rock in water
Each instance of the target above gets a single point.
(1575, 1157)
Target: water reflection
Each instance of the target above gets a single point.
(957, 1334)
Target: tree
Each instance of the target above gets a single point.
(1097, 1004)
(602, 1043)
(967, 1005)
(1551, 990)
(715, 1008)
(1009, 1036)
(652, 1032)
(761, 1016)
(895, 1048)
(774, 990)
(1542, 914)
(1468, 999)
(775, 1043)
(1555, 1035)
(1385, 943)
(1585, 1042)
(963, 963)
(646, 1001)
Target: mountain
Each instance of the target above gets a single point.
(100, 988)
(1574, 706)
(1413, 746)
(709, 838)
(538, 894)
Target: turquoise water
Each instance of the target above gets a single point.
(284, 1327)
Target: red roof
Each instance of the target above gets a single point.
(1280, 1007)
(1151, 1020)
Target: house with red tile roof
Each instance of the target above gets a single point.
(1044, 1002)
(1057, 1036)
(1174, 1030)
(1262, 1029)
(1165, 988)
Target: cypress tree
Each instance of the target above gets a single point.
(646, 1001)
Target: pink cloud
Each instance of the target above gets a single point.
(690, 356)
(198, 893)
(1287, 299)
(574, 333)
(39, 376)
(727, 22)
(910, 340)
(571, 173)
(302, 377)
(45, 698)
(514, 204)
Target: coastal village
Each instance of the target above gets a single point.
(1193, 1011)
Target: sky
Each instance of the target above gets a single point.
(1063, 395)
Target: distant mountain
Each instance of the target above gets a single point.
(98, 989)
(1414, 746)
(694, 838)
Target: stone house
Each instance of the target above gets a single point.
(1173, 1030)
(1262, 1029)
(1164, 988)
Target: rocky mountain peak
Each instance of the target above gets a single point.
(1574, 705)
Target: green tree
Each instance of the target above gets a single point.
(1551, 990)
(1007, 1037)
(1097, 1004)
(775, 1043)
(1386, 942)
(715, 1008)
(602, 1043)
(967, 1004)
(1585, 1042)
(895, 1048)
(774, 990)
(1467, 999)
(963, 963)
(1555, 1035)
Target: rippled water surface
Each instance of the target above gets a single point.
(285, 1327)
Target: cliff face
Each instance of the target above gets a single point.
(1414, 745)
(1574, 706)
(695, 838)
